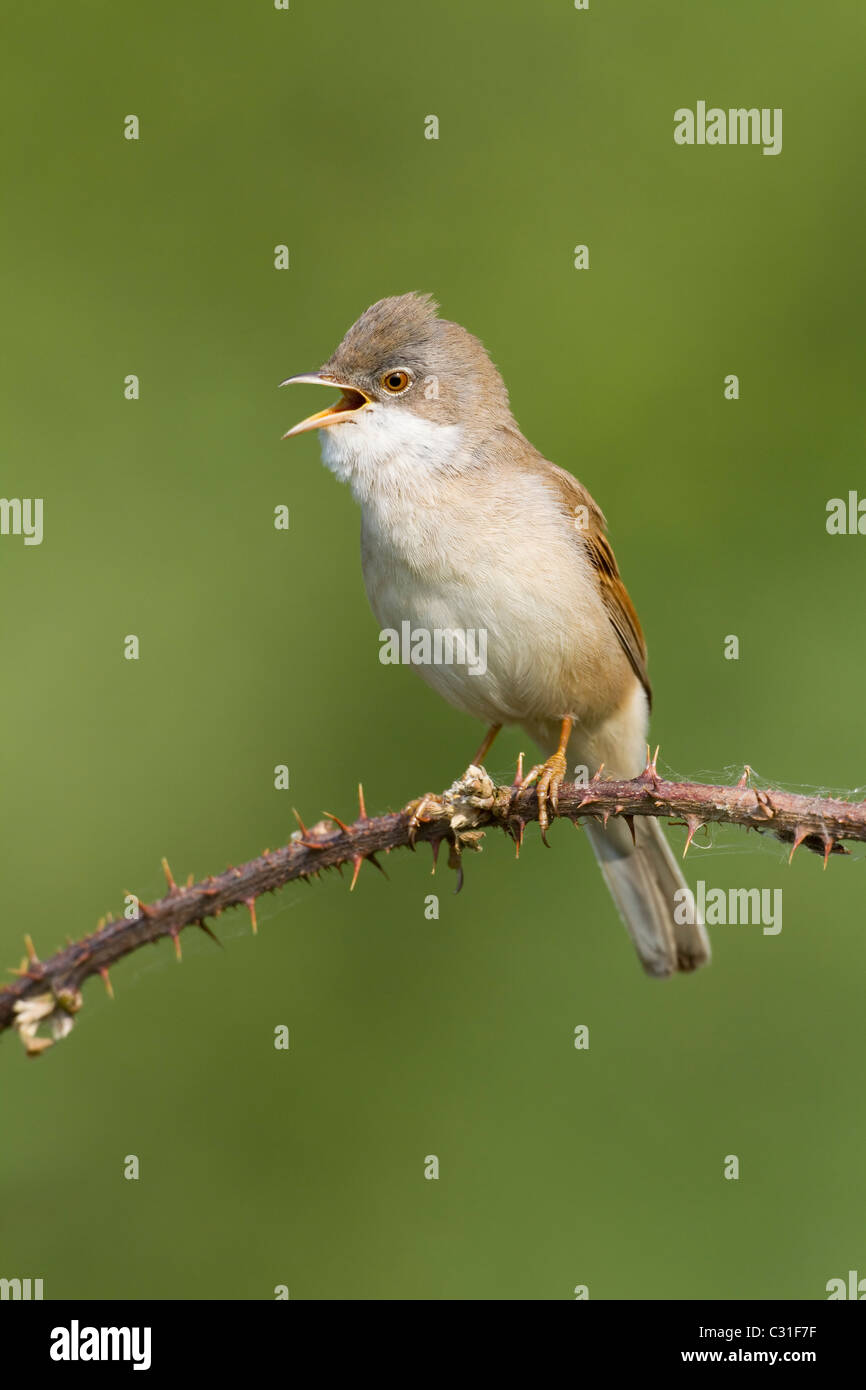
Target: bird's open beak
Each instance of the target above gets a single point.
(348, 407)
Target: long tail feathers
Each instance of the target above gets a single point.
(649, 889)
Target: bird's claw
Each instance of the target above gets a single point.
(550, 777)
(426, 808)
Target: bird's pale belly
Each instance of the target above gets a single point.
(488, 646)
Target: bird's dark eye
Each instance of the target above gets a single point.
(395, 382)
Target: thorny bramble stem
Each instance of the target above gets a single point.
(47, 993)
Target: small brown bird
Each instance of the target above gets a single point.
(466, 528)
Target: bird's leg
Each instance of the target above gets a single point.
(425, 808)
(486, 744)
(550, 776)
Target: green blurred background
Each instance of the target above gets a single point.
(408, 1036)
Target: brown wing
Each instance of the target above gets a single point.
(614, 594)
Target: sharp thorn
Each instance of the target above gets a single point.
(694, 824)
(251, 904)
(357, 862)
(650, 772)
(207, 931)
(376, 865)
(342, 824)
(763, 805)
(361, 803)
(799, 836)
(518, 838)
(169, 876)
(109, 988)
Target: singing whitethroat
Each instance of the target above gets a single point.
(466, 526)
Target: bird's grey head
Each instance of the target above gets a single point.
(413, 385)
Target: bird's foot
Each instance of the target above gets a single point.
(550, 777)
(424, 809)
